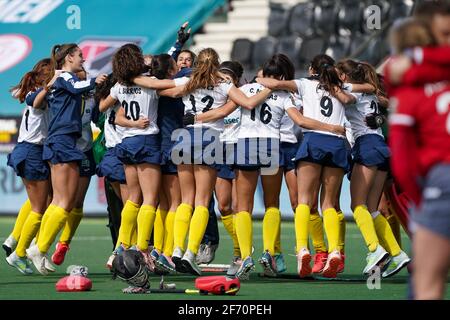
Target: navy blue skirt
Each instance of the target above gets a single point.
(371, 150)
(26, 160)
(111, 167)
(326, 150)
(139, 149)
(62, 149)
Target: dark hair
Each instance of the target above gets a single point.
(33, 79)
(102, 90)
(360, 72)
(232, 68)
(323, 66)
(59, 53)
(280, 67)
(161, 65)
(128, 63)
(193, 55)
(425, 10)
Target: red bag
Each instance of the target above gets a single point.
(73, 284)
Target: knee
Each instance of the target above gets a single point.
(224, 208)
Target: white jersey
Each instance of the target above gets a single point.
(289, 131)
(356, 114)
(264, 121)
(203, 100)
(84, 143)
(320, 105)
(137, 102)
(231, 127)
(113, 132)
(34, 125)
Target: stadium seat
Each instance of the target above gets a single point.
(242, 51)
(350, 17)
(301, 19)
(263, 49)
(290, 46)
(357, 40)
(325, 17)
(375, 51)
(309, 49)
(278, 20)
(339, 47)
(400, 9)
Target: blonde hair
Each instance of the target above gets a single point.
(409, 33)
(206, 71)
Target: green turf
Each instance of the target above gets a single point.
(92, 246)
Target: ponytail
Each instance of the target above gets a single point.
(33, 79)
(206, 71)
(323, 66)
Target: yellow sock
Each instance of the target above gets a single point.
(197, 228)
(331, 224)
(134, 236)
(316, 231)
(181, 225)
(365, 224)
(158, 230)
(72, 223)
(168, 233)
(384, 231)
(29, 230)
(20, 220)
(45, 217)
(341, 243)
(271, 224)
(145, 221)
(229, 224)
(278, 240)
(395, 226)
(128, 223)
(53, 226)
(301, 219)
(244, 231)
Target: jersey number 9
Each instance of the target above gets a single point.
(326, 106)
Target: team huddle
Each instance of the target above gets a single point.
(180, 128)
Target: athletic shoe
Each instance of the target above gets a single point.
(269, 265)
(331, 267)
(38, 259)
(281, 264)
(48, 265)
(21, 264)
(116, 251)
(189, 265)
(375, 258)
(320, 260)
(234, 266)
(244, 270)
(9, 245)
(149, 263)
(166, 263)
(60, 253)
(341, 264)
(154, 254)
(303, 260)
(207, 254)
(176, 258)
(395, 264)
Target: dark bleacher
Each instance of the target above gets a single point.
(337, 28)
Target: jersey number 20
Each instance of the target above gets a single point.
(132, 111)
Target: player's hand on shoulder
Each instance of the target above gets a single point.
(100, 78)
